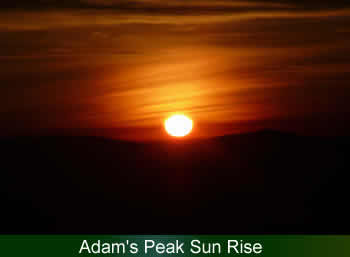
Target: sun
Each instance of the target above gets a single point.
(178, 125)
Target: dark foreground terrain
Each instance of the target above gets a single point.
(264, 182)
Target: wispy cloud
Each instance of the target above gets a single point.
(34, 15)
(126, 63)
(34, 20)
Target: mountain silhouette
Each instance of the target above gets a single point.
(263, 182)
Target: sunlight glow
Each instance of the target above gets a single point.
(178, 125)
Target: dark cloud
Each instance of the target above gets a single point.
(150, 7)
(181, 7)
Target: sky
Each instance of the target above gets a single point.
(124, 66)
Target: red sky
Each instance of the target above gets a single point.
(232, 66)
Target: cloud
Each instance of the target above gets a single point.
(36, 20)
(46, 14)
(115, 62)
(171, 4)
(138, 5)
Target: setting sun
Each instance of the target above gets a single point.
(178, 125)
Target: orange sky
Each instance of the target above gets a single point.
(232, 66)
